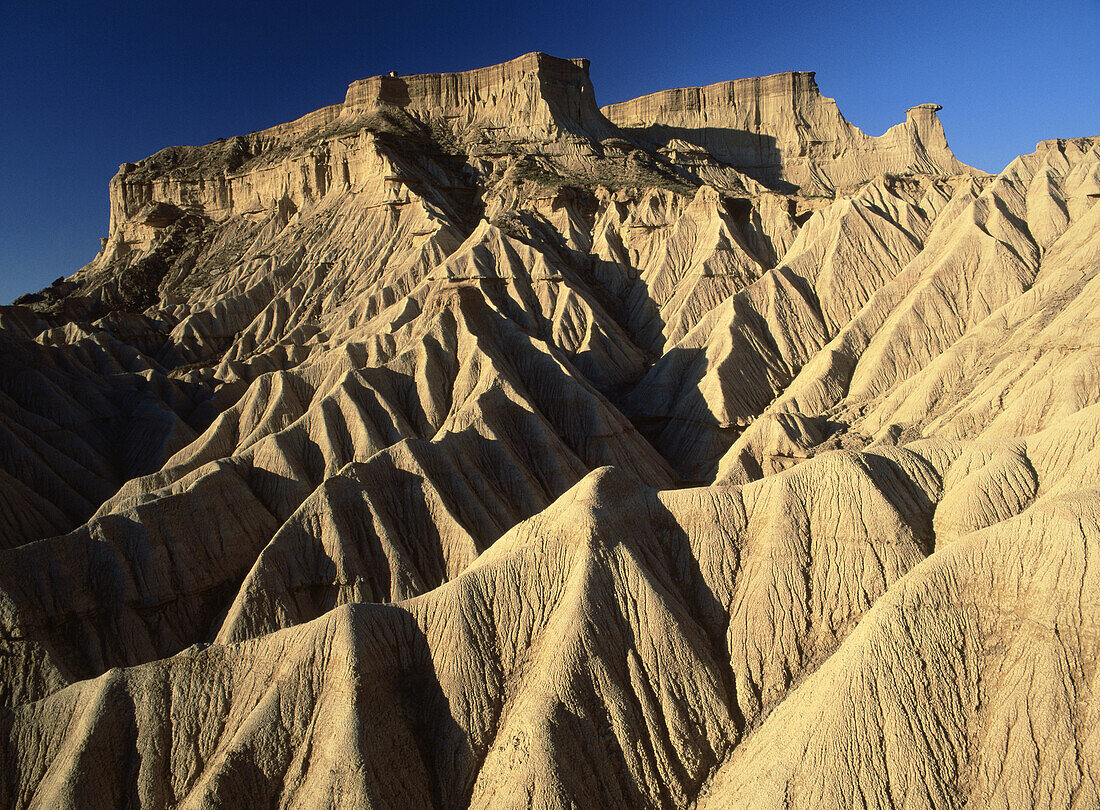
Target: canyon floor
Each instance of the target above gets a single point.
(464, 444)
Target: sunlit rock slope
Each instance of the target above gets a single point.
(463, 444)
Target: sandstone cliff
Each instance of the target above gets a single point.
(452, 446)
(780, 129)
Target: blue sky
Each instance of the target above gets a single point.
(87, 86)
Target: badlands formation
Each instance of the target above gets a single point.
(465, 444)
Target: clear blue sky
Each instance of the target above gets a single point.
(86, 86)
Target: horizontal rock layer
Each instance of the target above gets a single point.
(780, 129)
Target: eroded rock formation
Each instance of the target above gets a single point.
(780, 129)
(465, 445)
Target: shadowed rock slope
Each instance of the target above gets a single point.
(464, 445)
(781, 129)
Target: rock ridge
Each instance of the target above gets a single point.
(780, 129)
(411, 455)
(534, 94)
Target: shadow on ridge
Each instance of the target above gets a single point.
(752, 153)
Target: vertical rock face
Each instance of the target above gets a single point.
(545, 104)
(536, 95)
(459, 446)
(780, 129)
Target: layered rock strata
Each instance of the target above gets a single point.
(779, 129)
(454, 447)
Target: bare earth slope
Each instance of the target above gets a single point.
(464, 445)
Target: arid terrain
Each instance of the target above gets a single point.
(466, 444)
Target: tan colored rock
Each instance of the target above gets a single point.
(780, 129)
(453, 447)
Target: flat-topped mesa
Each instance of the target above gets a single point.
(533, 97)
(780, 130)
(543, 103)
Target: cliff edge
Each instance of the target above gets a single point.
(782, 131)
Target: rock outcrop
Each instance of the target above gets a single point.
(533, 97)
(780, 130)
(459, 446)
